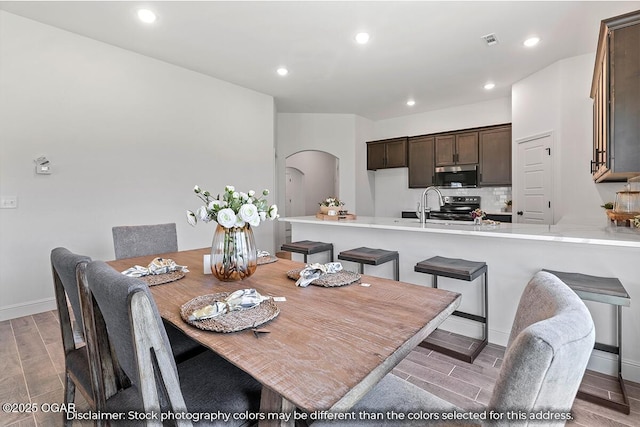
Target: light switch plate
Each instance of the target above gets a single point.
(8, 202)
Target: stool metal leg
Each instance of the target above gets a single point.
(397, 272)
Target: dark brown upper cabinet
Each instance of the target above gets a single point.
(456, 149)
(421, 161)
(615, 90)
(387, 153)
(495, 157)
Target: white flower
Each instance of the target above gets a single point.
(202, 213)
(213, 204)
(263, 215)
(273, 212)
(196, 189)
(244, 196)
(239, 222)
(230, 188)
(252, 193)
(226, 218)
(236, 195)
(191, 218)
(249, 213)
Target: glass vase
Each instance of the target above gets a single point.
(233, 253)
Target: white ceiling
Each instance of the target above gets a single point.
(430, 51)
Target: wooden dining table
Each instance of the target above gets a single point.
(327, 347)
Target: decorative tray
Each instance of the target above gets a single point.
(341, 278)
(229, 322)
(266, 259)
(159, 279)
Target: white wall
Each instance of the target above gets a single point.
(128, 137)
(392, 192)
(331, 133)
(557, 99)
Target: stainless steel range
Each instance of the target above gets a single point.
(455, 208)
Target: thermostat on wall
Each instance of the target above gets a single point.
(43, 166)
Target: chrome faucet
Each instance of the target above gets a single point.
(422, 206)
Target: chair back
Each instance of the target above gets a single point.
(137, 335)
(140, 240)
(64, 265)
(548, 350)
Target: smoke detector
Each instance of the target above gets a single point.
(490, 39)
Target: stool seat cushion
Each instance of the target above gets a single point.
(368, 256)
(307, 247)
(594, 288)
(451, 267)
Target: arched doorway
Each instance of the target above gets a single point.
(311, 176)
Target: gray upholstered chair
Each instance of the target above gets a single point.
(140, 346)
(547, 354)
(64, 265)
(139, 240)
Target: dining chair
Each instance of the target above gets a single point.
(139, 240)
(131, 241)
(124, 310)
(547, 354)
(64, 265)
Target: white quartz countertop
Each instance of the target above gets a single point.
(604, 234)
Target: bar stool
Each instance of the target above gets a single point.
(370, 256)
(606, 290)
(462, 270)
(308, 247)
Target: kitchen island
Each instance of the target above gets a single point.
(513, 253)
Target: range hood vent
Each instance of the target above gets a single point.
(490, 39)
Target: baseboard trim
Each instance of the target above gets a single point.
(14, 311)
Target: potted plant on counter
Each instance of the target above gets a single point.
(330, 203)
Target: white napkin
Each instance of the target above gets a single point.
(314, 271)
(238, 300)
(263, 253)
(157, 266)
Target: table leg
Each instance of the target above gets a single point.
(278, 410)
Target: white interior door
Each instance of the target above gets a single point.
(294, 193)
(535, 180)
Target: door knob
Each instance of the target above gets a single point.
(519, 212)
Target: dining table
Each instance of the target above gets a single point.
(328, 345)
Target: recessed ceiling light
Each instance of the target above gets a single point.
(362, 38)
(532, 41)
(489, 86)
(146, 16)
(282, 71)
(411, 103)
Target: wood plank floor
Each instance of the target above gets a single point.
(32, 366)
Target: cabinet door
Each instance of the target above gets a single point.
(396, 153)
(421, 161)
(445, 150)
(375, 155)
(467, 148)
(495, 157)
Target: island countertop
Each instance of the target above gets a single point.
(513, 253)
(564, 232)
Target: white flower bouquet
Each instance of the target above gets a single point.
(233, 209)
(331, 202)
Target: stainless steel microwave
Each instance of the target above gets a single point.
(457, 176)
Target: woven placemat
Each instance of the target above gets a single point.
(159, 279)
(229, 322)
(341, 278)
(266, 259)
